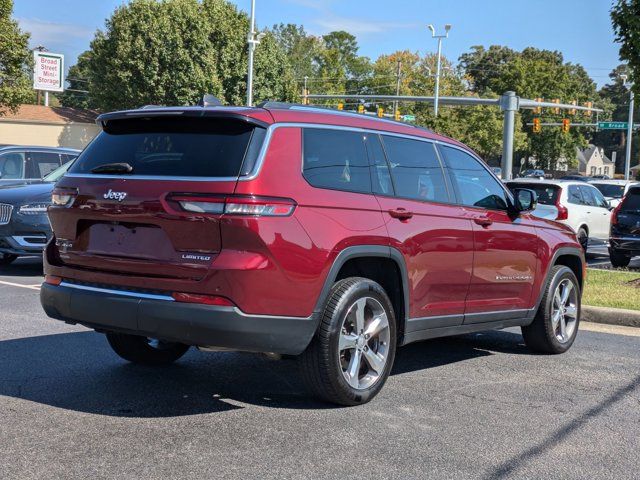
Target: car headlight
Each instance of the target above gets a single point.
(34, 209)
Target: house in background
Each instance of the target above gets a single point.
(48, 127)
(592, 161)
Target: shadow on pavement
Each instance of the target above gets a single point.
(78, 371)
(23, 267)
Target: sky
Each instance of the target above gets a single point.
(580, 29)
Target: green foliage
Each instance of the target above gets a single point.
(625, 15)
(78, 79)
(15, 61)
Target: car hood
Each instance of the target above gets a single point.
(22, 194)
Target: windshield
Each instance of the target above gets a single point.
(547, 194)
(609, 190)
(174, 147)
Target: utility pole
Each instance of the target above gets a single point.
(627, 160)
(509, 104)
(447, 27)
(305, 100)
(398, 78)
(252, 40)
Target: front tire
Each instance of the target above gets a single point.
(7, 258)
(618, 259)
(352, 353)
(555, 326)
(146, 351)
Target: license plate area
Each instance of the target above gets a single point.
(129, 240)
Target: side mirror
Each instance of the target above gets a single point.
(526, 200)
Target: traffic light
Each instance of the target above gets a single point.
(537, 128)
(566, 124)
(588, 105)
(556, 110)
(538, 110)
(573, 110)
(360, 108)
(340, 106)
(397, 115)
(380, 112)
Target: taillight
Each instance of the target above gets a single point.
(52, 280)
(235, 205)
(63, 197)
(563, 212)
(614, 214)
(202, 299)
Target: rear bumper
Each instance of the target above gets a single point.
(192, 324)
(627, 244)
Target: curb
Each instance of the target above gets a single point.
(610, 316)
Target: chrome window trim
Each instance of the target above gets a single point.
(124, 293)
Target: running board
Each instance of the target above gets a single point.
(462, 329)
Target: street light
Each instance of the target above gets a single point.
(253, 39)
(627, 160)
(447, 27)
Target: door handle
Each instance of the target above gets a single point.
(483, 221)
(401, 213)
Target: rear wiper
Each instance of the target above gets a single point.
(113, 168)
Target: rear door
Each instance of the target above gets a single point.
(505, 247)
(137, 223)
(426, 226)
(597, 211)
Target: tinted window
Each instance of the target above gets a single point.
(588, 196)
(599, 198)
(380, 175)
(336, 159)
(40, 164)
(12, 165)
(415, 169)
(547, 194)
(631, 202)
(609, 190)
(474, 185)
(183, 147)
(574, 196)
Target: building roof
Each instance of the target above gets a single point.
(56, 115)
(585, 155)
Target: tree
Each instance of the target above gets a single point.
(15, 62)
(302, 50)
(78, 78)
(625, 15)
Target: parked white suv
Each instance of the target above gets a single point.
(613, 190)
(579, 205)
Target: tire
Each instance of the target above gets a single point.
(583, 238)
(336, 349)
(145, 351)
(618, 259)
(7, 258)
(544, 334)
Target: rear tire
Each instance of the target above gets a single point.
(618, 259)
(350, 357)
(146, 351)
(555, 326)
(583, 238)
(7, 258)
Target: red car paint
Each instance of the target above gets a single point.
(459, 260)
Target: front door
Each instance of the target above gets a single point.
(423, 222)
(505, 248)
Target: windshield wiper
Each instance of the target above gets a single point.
(113, 168)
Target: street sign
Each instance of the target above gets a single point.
(48, 72)
(409, 118)
(612, 125)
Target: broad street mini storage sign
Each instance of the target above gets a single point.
(48, 73)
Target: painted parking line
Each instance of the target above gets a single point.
(613, 329)
(11, 284)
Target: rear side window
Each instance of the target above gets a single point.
(574, 195)
(336, 159)
(173, 147)
(474, 185)
(415, 169)
(631, 202)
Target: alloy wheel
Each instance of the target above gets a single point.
(564, 311)
(364, 343)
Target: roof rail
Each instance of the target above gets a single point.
(147, 107)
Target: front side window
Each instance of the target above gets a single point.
(336, 159)
(12, 165)
(599, 199)
(587, 196)
(415, 169)
(40, 164)
(474, 185)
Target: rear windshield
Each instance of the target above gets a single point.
(631, 202)
(547, 194)
(175, 147)
(608, 190)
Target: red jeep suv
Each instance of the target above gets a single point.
(300, 231)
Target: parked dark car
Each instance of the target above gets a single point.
(299, 231)
(624, 241)
(577, 178)
(20, 164)
(24, 226)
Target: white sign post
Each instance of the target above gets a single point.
(48, 73)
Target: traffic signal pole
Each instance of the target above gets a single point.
(509, 105)
(627, 160)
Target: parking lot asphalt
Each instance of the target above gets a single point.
(472, 406)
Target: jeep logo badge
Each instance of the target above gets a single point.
(111, 195)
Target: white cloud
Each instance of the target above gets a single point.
(50, 33)
(359, 26)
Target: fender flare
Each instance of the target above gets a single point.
(363, 251)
